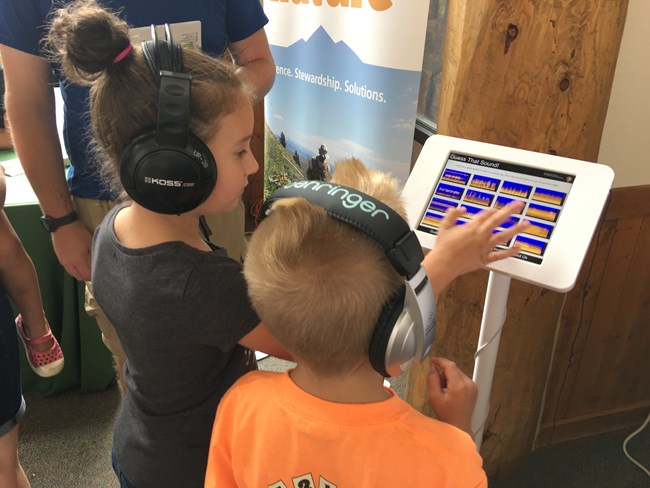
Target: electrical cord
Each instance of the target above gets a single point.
(256, 207)
(205, 228)
(628, 438)
(491, 339)
(480, 348)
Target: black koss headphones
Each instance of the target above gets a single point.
(168, 169)
(407, 325)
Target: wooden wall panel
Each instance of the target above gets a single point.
(530, 74)
(598, 381)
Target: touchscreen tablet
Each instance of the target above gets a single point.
(563, 199)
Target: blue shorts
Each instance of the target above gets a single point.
(12, 404)
(124, 483)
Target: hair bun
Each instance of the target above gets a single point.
(85, 39)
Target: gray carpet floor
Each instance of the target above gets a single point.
(65, 443)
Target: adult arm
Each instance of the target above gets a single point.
(31, 112)
(255, 62)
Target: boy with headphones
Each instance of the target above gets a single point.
(338, 278)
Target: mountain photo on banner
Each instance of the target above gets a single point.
(326, 96)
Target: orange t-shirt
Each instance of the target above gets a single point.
(268, 433)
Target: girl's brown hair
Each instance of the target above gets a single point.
(85, 39)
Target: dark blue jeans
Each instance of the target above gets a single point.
(124, 483)
(11, 399)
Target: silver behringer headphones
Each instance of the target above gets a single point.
(406, 328)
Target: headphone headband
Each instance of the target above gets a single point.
(364, 213)
(165, 60)
(407, 324)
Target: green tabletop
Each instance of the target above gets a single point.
(6, 154)
(88, 364)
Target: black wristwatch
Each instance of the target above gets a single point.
(50, 224)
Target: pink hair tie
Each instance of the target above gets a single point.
(123, 54)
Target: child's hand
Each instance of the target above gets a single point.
(464, 248)
(452, 394)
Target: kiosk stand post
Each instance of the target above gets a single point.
(494, 315)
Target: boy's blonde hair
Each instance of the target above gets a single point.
(318, 284)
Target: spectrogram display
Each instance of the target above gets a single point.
(471, 211)
(542, 212)
(485, 183)
(532, 246)
(515, 189)
(433, 219)
(479, 198)
(539, 229)
(501, 201)
(549, 196)
(440, 205)
(450, 191)
(456, 176)
(510, 222)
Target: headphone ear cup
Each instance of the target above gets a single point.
(384, 331)
(167, 179)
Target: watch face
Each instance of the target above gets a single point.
(51, 224)
(47, 224)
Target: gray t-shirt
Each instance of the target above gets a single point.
(179, 313)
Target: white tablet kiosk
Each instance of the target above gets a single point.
(563, 200)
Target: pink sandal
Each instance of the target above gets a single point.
(44, 363)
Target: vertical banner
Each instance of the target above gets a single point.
(347, 83)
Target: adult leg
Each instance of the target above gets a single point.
(109, 336)
(91, 213)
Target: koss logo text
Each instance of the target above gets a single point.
(173, 183)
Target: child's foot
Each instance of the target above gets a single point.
(43, 353)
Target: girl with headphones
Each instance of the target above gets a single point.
(173, 129)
